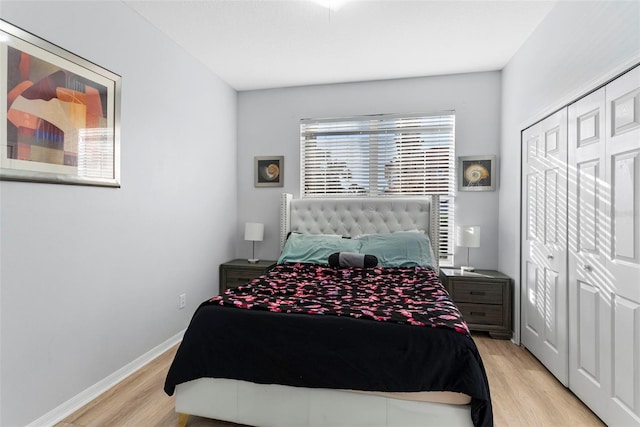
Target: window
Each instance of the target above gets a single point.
(383, 156)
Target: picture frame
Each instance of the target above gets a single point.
(477, 173)
(60, 117)
(268, 171)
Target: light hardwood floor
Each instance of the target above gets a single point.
(523, 393)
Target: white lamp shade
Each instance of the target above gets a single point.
(468, 236)
(254, 231)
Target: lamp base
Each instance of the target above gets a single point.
(466, 268)
(253, 260)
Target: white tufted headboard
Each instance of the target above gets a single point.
(351, 217)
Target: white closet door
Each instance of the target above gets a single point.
(591, 287)
(623, 175)
(544, 248)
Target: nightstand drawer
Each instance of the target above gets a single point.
(242, 275)
(234, 282)
(239, 272)
(484, 314)
(478, 292)
(234, 277)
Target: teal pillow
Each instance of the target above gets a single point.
(400, 249)
(315, 248)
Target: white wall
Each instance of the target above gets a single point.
(268, 124)
(90, 277)
(579, 46)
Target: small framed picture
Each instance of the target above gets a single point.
(269, 171)
(477, 173)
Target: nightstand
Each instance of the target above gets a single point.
(240, 271)
(483, 297)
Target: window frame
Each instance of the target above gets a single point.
(310, 129)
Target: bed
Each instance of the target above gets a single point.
(324, 339)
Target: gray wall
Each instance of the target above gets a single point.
(576, 48)
(268, 124)
(90, 277)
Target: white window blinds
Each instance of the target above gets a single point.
(381, 155)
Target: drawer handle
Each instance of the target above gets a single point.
(478, 313)
(477, 292)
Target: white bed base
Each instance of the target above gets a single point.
(277, 405)
(272, 405)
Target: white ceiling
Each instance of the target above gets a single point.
(258, 44)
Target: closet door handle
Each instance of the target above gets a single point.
(549, 256)
(587, 267)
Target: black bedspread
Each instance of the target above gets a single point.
(329, 351)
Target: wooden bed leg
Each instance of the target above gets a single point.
(183, 419)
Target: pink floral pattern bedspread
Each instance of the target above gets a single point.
(413, 296)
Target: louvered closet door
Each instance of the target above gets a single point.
(623, 261)
(544, 250)
(591, 287)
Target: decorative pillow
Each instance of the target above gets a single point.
(399, 249)
(315, 248)
(352, 259)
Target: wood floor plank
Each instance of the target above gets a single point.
(523, 394)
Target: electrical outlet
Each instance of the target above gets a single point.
(183, 300)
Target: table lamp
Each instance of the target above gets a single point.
(468, 236)
(253, 231)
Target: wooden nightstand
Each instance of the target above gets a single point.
(240, 271)
(484, 298)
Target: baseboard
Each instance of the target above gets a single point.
(78, 401)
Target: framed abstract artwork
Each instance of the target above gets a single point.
(269, 171)
(59, 114)
(477, 173)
